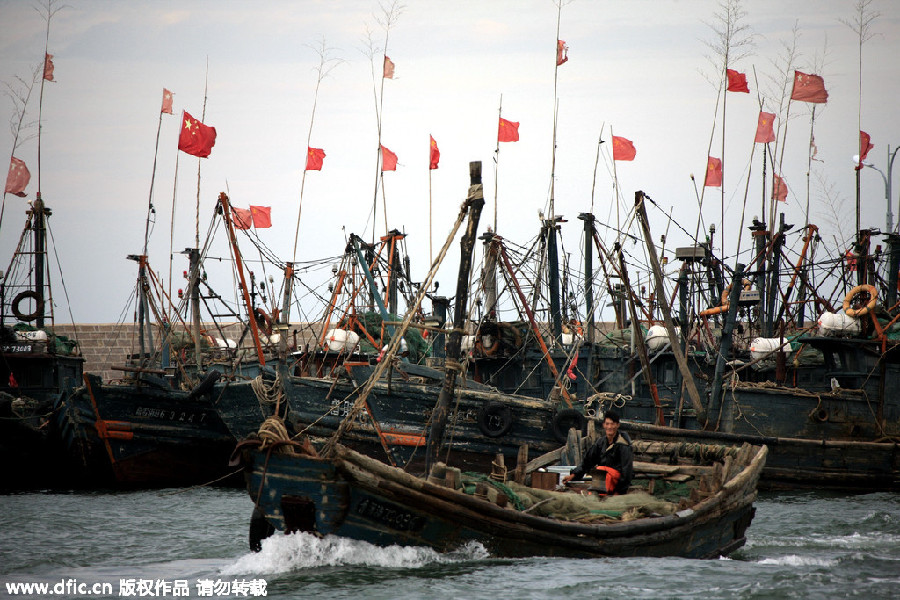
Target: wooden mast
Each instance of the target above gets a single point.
(229, 226)
(691, 386)
(475, 203)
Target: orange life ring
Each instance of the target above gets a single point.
(850, 311)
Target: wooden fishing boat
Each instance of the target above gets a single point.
(338, 491)
(175, 417)
(36, 365)
(687, 500)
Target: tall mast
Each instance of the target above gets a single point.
(475, 203)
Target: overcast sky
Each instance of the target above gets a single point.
(637, 68)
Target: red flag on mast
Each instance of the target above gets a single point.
(737, 82)
(508, 131)
(18, 178)
(809, 88)
(779, 189)
(865, 144)
(435, 154)
(196, 138)
(623, 149)
(713, 172)
(765, 131)
(315, 157)
(261, 215)
(167, 102)
(242, 218)
(48, 67)
(388, 68)
(562, 52)
(388, 160)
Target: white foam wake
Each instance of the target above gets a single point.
(794, 560)
(284, 553)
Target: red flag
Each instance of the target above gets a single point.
(435, 154)
(765, 131)
(388, 160)
(779, 189)
(864, 146)
(18, 178)
(737, 82)
(508, 131)
(809, 88)
(261, 216)
(167, 102)
(850, 260)
(196, 138)
(314, 159)
(243, 218)
(623, 149)
(48, 67)
(388, 68)
(713, 172)
(562, 52)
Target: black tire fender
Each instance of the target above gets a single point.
(494, 419)
(38, 305)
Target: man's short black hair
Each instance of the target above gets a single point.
(611, 415)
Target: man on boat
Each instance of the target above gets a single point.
(612, 454)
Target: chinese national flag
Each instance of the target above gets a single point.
(243, 218)
(196, 138)
(623, 149)
(713, 172)
(765, 131)
(261, 216)
(388, 160)
(314, 159)
(48, 67)
(167, 102)
(388, 68)
(737, 82)
(809, 88)
(435, 154)
(865, 144)
(562, 52)
(508, 131)
(779, 189)
(18, 178)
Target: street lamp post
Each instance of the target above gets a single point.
(887, 184)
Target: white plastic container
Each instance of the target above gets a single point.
(657, 338)
(341, 339)
(38, 335)
(838, 325)
(765, 348)
(225, 343)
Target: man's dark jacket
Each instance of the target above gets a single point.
(617, 455)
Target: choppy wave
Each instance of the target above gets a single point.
(795, 560)
(856, 540)
(285, 553)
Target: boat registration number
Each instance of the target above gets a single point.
(162, 414)
(390, 515)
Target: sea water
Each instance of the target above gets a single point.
(194, 543)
